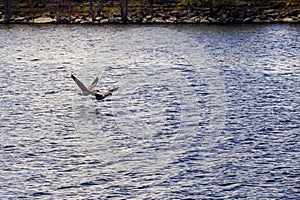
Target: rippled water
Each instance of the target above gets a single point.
(202, 112)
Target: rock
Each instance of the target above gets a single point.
(257, 20)
(19, 19)
(136, 19)
(180, 19)
(148, 17)
(158, 20)
(204, 20)
(174, 13)
(64, 20)
(276, 20)
(44, 20)
(269, 11)
(77, 20)
(213, 20)
(98, 18)
(41, 5)
(289, 19)
(145, 20)
(247, 20)
(195, 19)
(104, 21)
(88, 20)
(163, 16)
(171, 19)
(117, 20)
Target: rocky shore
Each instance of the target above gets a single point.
(171, 14)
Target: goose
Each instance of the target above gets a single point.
(90, 89)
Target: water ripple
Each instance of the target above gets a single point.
(203, 112)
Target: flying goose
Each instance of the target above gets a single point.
(90, 89)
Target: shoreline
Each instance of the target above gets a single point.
(159, 14)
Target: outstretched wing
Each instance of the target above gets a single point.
(105, 94)
(82, 87)
(109, 92)
(93, 85)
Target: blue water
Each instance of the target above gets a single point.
(202, 112)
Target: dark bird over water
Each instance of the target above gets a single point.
(85, 91)
(105, 94)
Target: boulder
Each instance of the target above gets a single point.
(19, 19)
(104, 21)
(77, 20)
(44, 20)
(195, 19)
(148, 17)
(257, 20)
(158, 20)
(171, 19)
(248, 20)
(213, 20)
(98, 18)
(289, 19)
(174, 13)
(204, 21)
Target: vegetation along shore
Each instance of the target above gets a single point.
(148, 11)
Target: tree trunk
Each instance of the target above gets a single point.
(69, 11)
(211, 8)
(58, 11)
(124, 10)
(92, 10)
(151, 7)
(99, 8)
(8, 11)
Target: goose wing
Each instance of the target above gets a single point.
(93, 85)
(105, 94)
(82, 87)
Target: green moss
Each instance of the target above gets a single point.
(110, 9)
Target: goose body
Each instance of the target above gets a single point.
(105, 94)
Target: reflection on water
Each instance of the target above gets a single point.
(202, 112)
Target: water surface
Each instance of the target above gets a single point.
(203, 112)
